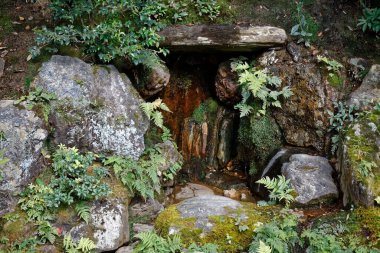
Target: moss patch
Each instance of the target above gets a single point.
(225, 229)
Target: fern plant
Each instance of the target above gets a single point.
(150, 242)
(85, 245)
(263, 248)
(279, 188)
(83, 211)
(257, 84)
(151, 111)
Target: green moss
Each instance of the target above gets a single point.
(205, 110)
(15, 229)
(71, 51)
(363, 147)
(262, 134)
(225, 231)
(335, 80)
(6, 26)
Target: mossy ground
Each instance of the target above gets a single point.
(225, 231)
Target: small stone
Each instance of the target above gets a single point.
(15, 33)
(139, 228)
(27, 27)
(30, 18)
(2, 66)
(232, 193)
(4, 53)
(21, 18)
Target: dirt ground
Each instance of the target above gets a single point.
(336, 21)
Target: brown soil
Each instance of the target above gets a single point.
(18, 18)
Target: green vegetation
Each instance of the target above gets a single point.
(305, 28)
(84, 245)
(279, 188)
(142, 177)
(257, 84)
(210, 106)
(334, 68)
(339, 120)
(3, 161)
(370, 19)
(119, 28)
(5, 25)
(262, 134)
(39, 98)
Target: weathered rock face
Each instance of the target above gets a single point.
(221, 37)
(171, 154)
(108, 225)
(152, 79)
(210, 139)
(210, 219)
(311, 178)
(97, 107)
(369, 90)
(359, 161)
(21, 137)
(303, 117)
(150, 209)
(226, 84)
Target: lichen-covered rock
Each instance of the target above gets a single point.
(359, 161)
(171, 154)
(152, 78)
(369, 90)
(226, 85)
(21, 138)
(304, 116)
(213, 219)
(108, 226)
(311, 178)
(97, 107)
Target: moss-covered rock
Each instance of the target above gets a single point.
(213, 219)
(359, 160)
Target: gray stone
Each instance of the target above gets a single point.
(369, 90)
(126, 249)
(191, 190)
(139, 228)
(97, 107)
(221, 37)
(171, 154)
(108, 225)
(2, 66)
(360, 148)
(311, 178)
(153, 78)
(21, 138)
(149, 209)
(294, 50)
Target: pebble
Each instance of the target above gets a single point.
(2, 66)
(21, 18)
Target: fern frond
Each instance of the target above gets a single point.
(83, 211)
(158, 119)
(86, 245)
(68, 242)
(263, 248)
(244, 109)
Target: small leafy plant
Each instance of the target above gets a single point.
(370, 19)
(279, 188)
(209, 8)
(332, 65)
(151, 242)
(343, 115)
(85, 245)
(151, 111)
(305, 28)
(365, 168)
(257, 84)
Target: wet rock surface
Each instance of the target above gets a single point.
(311, 178)
(22, 137)
(226, 85)
(97, 107)
(191, 190)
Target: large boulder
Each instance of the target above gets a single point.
(108, 226)
(369, 90)
(304, 116)
(213, 219)
(97, 107)
(221, 37)
(359, 161)
(22, 137)
(311, 178)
